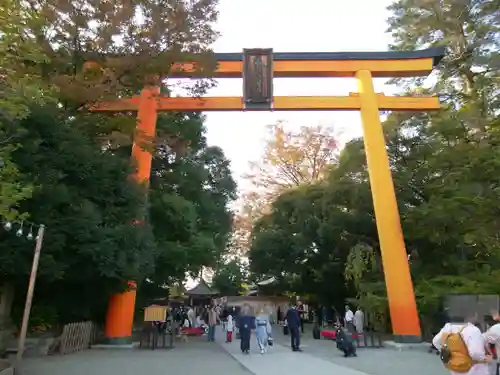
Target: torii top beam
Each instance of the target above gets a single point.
(327, 64)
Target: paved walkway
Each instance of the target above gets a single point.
(194, 357)
(281, 360)
(200, 357)
(372, 361)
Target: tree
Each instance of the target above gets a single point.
(470, 31)
(20, 85)
(303, 243)
(293, 158)
(85, 199)
(47, 44)
(452, 154)
(249, 210)
(89, 205)
(290, 159)
(229, 278)
(92, 50)
(13, 187)
(99, 49)
(189, 198)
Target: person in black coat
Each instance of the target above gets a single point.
(246, 324)
(344, 342)
(293, 322)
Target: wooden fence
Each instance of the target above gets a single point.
(158, 337)
(76, 337)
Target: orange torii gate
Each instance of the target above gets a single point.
(258, 67)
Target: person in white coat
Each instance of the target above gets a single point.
(492, 337)
(349, 319)
(262, 330)
(229, 328)
(359, 320)
(191, 317)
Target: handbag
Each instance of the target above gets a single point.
(270, 341)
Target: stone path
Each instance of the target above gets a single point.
(281, 360)
(372, 361)
(194, 357)
(200, 357)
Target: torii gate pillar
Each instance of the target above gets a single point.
(121, 307)
(402, 305)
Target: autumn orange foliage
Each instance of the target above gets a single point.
(290, 159)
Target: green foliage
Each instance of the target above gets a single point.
(20, 82)
(301, 245)
(84, 198)
(191, 187)
(131, 42)
(84, 195)
(361, 259)
(20, 86)
(13, 188)
(230, 278)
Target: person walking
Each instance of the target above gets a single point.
(246, 324)
(492, 338)
(262, 330)
(225, 315)
(293, 322)
(462, 348)
(213, 318)
(349, 319)
(301, 310)
(229, 328)
(359, 321)
(191, 317)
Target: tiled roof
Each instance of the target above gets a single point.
(202, 289)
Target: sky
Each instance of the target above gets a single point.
(291, 26)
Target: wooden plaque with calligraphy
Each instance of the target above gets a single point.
(155, 313)
(258, 78)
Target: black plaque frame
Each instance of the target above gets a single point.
(258, 78)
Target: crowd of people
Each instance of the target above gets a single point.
(245, 322)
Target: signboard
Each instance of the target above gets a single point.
(155, 314)
(258, 78)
